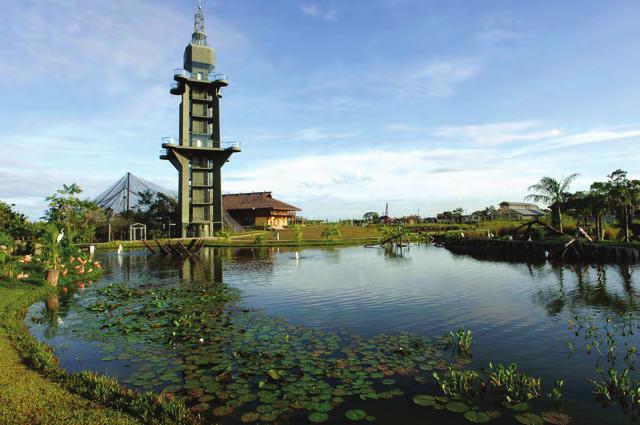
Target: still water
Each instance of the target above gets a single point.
(518, 312)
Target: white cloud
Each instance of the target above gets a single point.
(313, 134)
(436, 78)
(313, 9)
(497, 133)
(496, 29)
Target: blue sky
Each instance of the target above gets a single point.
(340, 106)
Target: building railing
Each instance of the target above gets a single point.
(173, 86)
(231, 145)
(218, 77)
(183, 73)
(204, 143)
(164, 152)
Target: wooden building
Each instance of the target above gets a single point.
(259, 209)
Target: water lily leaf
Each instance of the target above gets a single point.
(424, 400)
(275, 374)
(556, 418)
(223, 410)
(529, 419)
(457, 407)
(355, 415)
(476, 417)
(518, 407)
(493, 413)
(250, 417)
(318, 417)
(323, 407)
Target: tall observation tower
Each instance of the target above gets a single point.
(197, 153)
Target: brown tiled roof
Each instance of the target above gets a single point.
(247, 201)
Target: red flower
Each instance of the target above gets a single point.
(81, 285)
(64, 289)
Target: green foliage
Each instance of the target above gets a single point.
(14, 223)
(552, 192)
(297, 232)
(513, 385)
(371, 216)
(51, 247)
(616, 385)
(461, 340)
(259, 239)
(332, 232)
(157, 211)
(506, 382)
(224, 234)
(457, 383)
(76, 216)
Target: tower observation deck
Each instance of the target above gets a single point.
(197, 153)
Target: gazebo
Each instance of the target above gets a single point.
(137, 231)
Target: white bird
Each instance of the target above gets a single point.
(60, 236)
(120, 249)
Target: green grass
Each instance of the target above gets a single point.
(27, 397)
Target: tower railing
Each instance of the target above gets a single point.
(204, 143)
(179, 72)
(218, 77)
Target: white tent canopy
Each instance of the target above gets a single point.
(124, 194)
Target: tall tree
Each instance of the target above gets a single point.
(554, 193)
(624, 198)
(78, 217)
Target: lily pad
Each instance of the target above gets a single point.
(457, 407)
(318, 417)
(355, 415)
(424, 400)
(250, 417)
(518, 407)
(223, 410)
(556, 418)
(529, 419)
(476, 417)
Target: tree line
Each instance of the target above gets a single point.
(617, 197)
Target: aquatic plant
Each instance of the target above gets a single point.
(258, 240)
(457, 383)
(461, 340)
(513, 385)
(556, 391)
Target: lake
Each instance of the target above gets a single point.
(271, 335)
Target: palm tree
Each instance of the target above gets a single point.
(553, 193)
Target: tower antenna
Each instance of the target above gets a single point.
(198, 21)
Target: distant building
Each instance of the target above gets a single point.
(519, 211)
(259, 209)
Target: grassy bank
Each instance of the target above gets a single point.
(26, 396)
(36, 390)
